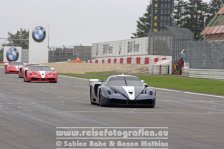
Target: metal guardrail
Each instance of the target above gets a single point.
(205, 73)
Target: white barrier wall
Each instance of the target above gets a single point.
(38, 44)
(146, 59)
(158, 64)
(129, 47)
(12, 54)
(204, 73)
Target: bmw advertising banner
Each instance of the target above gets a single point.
(38, 34)
(38, 44)
(12, 54)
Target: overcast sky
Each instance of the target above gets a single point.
(74, 22)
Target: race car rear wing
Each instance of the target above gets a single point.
(94, 81)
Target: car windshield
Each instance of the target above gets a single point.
(30, 65)
(116, 81)
(133, 81)
(41, 68)
(16, 63)
(124, 81)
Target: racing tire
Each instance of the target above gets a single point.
(100, 100)
(91, 96)
(25, 80)
(152, 106)
(19, 74)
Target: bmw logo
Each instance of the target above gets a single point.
(12, 54)
(38, 34)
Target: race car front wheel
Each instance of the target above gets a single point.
(152, 105)
(91, 95)
(20, 76)
(100, 100)
(25, 80)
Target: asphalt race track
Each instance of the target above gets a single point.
(30, 113)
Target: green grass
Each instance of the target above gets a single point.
(91, 75)
(207, 86)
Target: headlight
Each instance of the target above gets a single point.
(109, 92)
(151, 93)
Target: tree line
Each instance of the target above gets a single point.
(191, 14)
(20, 38)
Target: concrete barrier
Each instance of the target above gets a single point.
(143, 60)
(205, 73)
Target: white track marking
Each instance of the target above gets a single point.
(146, 112)
(191, 93)
(73, 77)
(163, 89)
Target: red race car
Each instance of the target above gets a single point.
(38, 73)
(25, 68)
(13, 67)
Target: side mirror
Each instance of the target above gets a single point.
(146, 85)
(52, 69)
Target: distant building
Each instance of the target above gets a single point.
(215, 28)
(59, 54)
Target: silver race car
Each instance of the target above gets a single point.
(122, 90)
